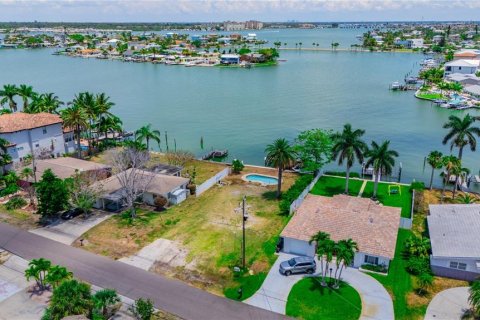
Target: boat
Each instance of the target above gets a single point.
(215, 154)
(396, 86)
(411, 80)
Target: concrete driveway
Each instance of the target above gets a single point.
(67, 231)
(376, 302)
(449, 304)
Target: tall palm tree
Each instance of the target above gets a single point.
(280, 154)
(75, 117)
(45, 102)
(434, 159)
(8, 94)
(329, 250)
(474, 296)
(450, 163)
(146, 134)
(462, 133)
(348, 147)
(26, 93)
(319, 240)
(382, 159)
(346, 250)
(459, 171)
(106, 124)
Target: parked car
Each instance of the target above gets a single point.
(71, 213)
(298, 265)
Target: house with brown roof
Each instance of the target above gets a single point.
(173, 188)
(372, 226)
(35, 133)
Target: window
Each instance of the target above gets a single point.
(371, 260)
(19, 148)
(44, 130)
(458, 265)
(37, 145)
(459, 68)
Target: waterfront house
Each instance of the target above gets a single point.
(473, 90)
(462, 66)
(415, 43)
(455, 239)
(463, 79)
(469, 54)
(437, 39)
(229, 59)
(372, 226)
(35, 133)
(172, 188)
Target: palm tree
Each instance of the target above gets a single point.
(103, 299)
(5, 157)
(329, 250)
(462, 133)
(459, 171)
(146, 134)
(320, 239)
(474, 296)
(26, 92)
(345, 251)
(348, 146)
(382, 159)
(434, 159)
(450, 163)
(75, 117)
(280, 154)
(46, 102)
(37, 269)
(466, 199)
(8, 94)
(106, 124)
(56, 275)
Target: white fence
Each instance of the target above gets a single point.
(212, 181)
(295, 204)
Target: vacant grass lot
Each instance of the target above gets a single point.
(431, 96)
(24, 219)
(310, 301)
(330, 186)
(210, 230)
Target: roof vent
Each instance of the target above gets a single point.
(370, 219)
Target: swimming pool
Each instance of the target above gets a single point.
(264, 180)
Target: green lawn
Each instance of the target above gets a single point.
(399, 282)
(330, 186)
(403, 200)
(430, 95)
(310, 301)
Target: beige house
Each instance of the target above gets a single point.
(372, 226)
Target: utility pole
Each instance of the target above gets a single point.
(243, 208)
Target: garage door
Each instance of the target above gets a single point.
(298, 247)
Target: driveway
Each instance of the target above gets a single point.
(449, 304)
(376, 302)
(67, 231)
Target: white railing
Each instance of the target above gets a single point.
(295, 204)
(212, 181)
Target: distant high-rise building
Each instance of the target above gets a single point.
(253, 24)
(233, 26)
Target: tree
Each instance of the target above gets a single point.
(52, 194)
(450, 163)
(382, 159)
(348, 146)
(237, 166)
(461, 134)
(146, 134)
(75, 117)
(345, 252)
(128, 165)
(8, 94)
(434, 159)
(56, 275)
(105, 299)
(25, 174)
(84, 191)
(160, 202)
(417, 246)
(474, 296)
(142, 309)
(46, 102)
(70, 298)
(26, 93)
(37, 269)
(5, 157)
(314, 148)
(320, 238)
(280, 154)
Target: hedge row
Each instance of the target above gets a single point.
(292, 194)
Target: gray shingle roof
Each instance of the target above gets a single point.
(455, 230)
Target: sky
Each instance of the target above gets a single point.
(239, 10)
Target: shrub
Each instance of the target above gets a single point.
(424, 282)
(418, 265)
(10, 189)
(237, 166)
(160, 202)
(292, 194)
(192, 187)
(142, 309)
(16, 203)
(343, 174)
(375, 268)
(417, 186)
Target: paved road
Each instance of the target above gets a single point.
(449, 304)
(170, 295)
(376, 302)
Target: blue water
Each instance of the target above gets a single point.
(261, 179)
